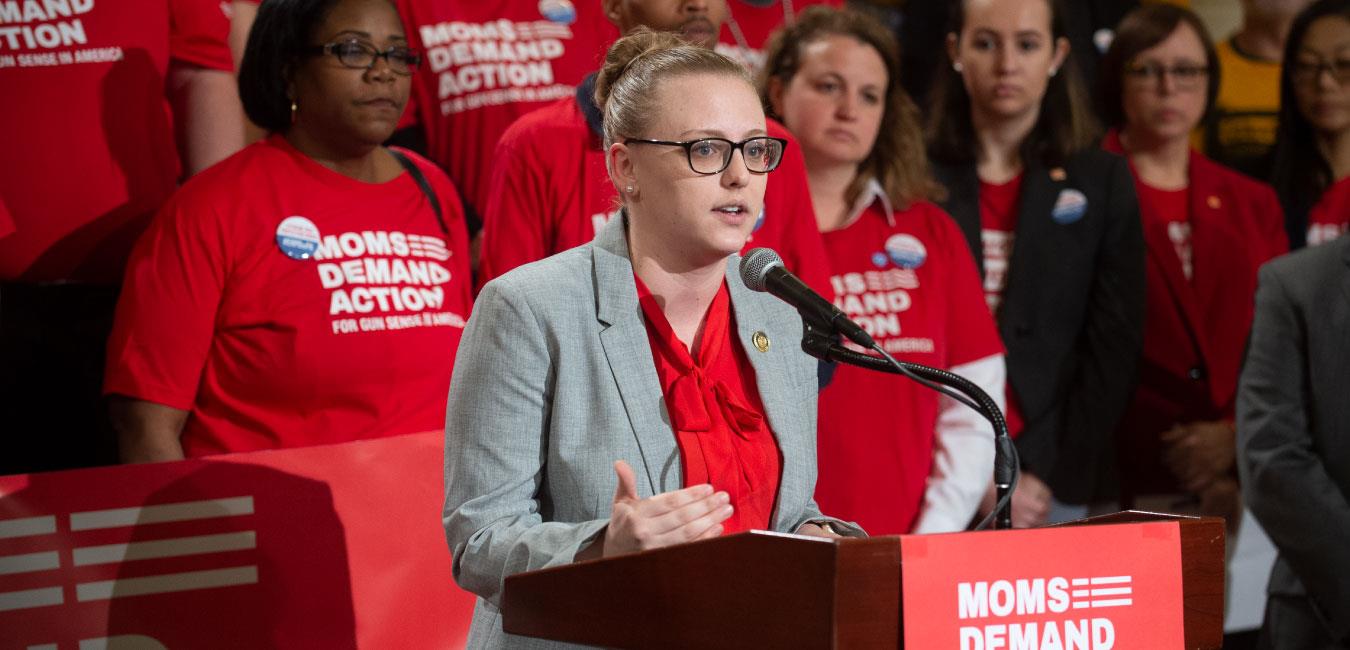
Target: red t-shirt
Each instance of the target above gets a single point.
(88, 133)
(223, 316)
(1330, 218)
(1174, 209)
(913, 284)
(747, 30)
(550, 192)
(490, 62)
(998, 230)
(716, 412)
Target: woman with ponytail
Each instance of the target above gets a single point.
(633, 393)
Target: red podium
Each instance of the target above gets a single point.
(1129, 580)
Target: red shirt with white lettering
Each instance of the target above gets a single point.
(716, 412)
(490, 62)
(1174, 209)
(550, 192)
(89, 140)
(222, 314)
(751, 22)
(910, 280)
(1330, 218)
(998, 230)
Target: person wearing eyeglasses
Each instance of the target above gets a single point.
(549, 191)
(632, 393)
(1207, 229)
(895, 456)
(1053, 222)
(313, 287)
(1312, 154)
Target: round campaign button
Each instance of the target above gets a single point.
(1069, 207)
(558, 11)
(906, 251)
(297, 237)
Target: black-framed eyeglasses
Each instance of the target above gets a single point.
(712, 155)
(1306, 72)
(359, 55)
(1186, 76)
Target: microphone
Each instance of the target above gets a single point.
(763, 270)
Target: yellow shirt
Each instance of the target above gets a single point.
(1241, 129)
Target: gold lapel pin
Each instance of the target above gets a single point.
(1214, 203)
(761, 341)
(1057, 174)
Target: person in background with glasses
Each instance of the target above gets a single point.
(549, 191)
(633, 393)
(311, 288)
(1312, 157)
(895, 456)
(1207, 229)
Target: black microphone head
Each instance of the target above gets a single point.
(755, 267)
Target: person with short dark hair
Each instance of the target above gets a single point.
(1207, 229)
(311, 288)
(1312, 151)
(895, 456)
(1053, 222)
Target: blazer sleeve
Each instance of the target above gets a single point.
(496, 445)
(1284, 481)
(1108, 346)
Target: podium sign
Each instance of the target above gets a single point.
(1074, 588)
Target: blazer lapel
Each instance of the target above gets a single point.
(629, 354)
(773, 378)
(1026, 268)
(963, 204)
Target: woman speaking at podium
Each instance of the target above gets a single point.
(632, 393)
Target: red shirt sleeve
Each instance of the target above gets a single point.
(199, 33)
(166, 315)
(517, 216)
(790, 222)
(6, 221)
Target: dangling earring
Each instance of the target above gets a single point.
(293, 108)
(958, 67)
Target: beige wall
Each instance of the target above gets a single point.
(1222, 17)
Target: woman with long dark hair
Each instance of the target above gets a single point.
(1312, 150)
(1054, 224)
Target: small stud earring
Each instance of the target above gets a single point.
(958, 67)
(1053, 71)
(628, 190)
(293, 109)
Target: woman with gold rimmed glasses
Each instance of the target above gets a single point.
(312, 288)
(1207, 229)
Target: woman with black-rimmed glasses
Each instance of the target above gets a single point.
(313, 287)
(1207, 229)
(1312, 151)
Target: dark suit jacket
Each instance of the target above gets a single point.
(1294, 439)
(1072, 314)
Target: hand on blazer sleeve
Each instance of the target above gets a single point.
(1285, 482)
(1108, 347)
(497, 430)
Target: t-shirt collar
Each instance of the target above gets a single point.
(871, 193)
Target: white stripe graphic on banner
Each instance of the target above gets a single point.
(31, 598)
(186, 511)
(27, 527)
(169, 583)
(28, 562)
(176, 547)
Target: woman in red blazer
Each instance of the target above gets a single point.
(1207, 229)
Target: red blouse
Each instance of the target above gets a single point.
(716, 412)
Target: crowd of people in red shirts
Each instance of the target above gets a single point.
(1035, 213)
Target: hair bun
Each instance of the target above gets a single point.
(624, 52)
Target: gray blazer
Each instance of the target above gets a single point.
(553, 382)
(1293, 417)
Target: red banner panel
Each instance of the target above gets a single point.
(1067, 588)
(323, 547)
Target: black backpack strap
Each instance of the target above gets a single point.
(422, 183)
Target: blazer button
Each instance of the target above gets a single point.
(1197, 373)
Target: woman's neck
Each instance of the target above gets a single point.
(1262, 37)
(366, 163)
(684, 291)
(999, 141)
(1161, 163)
(829, 193)
(1336, 149)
